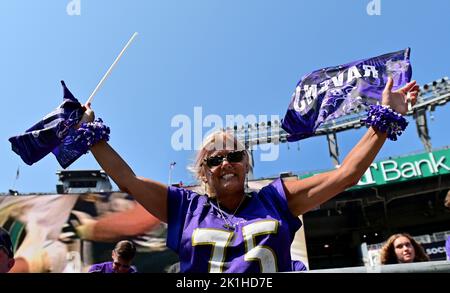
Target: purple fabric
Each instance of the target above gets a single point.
(188, 211)
(46, 135)
(107, 268)
(447, 247)
(78, 141)
(298, 265)
(333, 92)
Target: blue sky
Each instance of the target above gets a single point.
(228, 57)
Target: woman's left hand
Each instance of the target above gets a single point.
(399, 99)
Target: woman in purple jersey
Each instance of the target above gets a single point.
(228, 230)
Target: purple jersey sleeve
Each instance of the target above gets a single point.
(277, 195)
(96, 268)
(177, 201)
(180, 200)
(105, 267)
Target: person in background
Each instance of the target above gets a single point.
(402, 248)
(122, 257)
(447, 242)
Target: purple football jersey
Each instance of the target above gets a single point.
(260, 240)
(107, 268)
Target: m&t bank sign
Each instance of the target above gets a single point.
(407, 168)
(404, 168)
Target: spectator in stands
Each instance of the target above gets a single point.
(447, 242)
(122, 257)
(447, 200)
(228, 229)
(6, 251)
(402, 248)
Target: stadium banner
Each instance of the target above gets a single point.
(68, 233)
(404, 169)
(435, 250)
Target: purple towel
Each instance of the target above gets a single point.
(48, 135)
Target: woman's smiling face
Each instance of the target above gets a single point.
(227, 176)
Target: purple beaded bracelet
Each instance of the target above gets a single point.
(384, 119)
(89, 134)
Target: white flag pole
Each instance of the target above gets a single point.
(99, 85)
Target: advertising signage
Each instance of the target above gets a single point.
(404, 169)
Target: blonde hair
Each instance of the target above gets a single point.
(218, 140)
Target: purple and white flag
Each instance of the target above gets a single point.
(329, 93)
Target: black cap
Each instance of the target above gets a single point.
(5, 243)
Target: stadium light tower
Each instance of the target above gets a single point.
(171, 167)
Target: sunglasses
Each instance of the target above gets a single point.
(231, 157)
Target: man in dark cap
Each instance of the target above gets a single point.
(6, 251)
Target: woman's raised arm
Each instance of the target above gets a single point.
(150, 194)
(304, 195)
